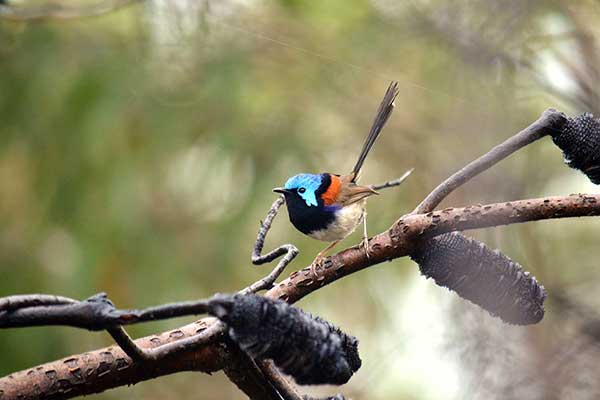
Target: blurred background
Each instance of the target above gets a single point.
(138, 150)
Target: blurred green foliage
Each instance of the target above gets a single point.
(138, 150)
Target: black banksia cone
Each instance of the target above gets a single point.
(580, 142)
(483, 276)
(308, 348)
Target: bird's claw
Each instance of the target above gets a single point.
(365, 245)
(317, 264)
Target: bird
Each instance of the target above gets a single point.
(329, 207)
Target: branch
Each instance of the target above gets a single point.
(402, 237)
(217, 329)
(398, 241)
(96, 313)
(193, 347)
(126, 343)
(284, 387)
(10, 303)
(95, 371)
(394, 183)
(550, 121)
(289, 252)
(248, 377)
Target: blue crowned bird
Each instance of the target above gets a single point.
(328, 206)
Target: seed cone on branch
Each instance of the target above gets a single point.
(580, 142)
(485, 277)
(311, 350)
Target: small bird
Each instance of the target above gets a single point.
(327, 206)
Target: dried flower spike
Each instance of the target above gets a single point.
(580, 142)
(311, 350)
(485, 277)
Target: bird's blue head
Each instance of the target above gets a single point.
(306, 186)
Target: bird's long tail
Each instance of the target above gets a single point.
(384, 112)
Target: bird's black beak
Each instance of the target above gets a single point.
(280, 190)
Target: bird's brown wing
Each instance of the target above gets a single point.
(351, 193)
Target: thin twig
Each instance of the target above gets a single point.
(95, 313)
(211, 333)
(283, 386)
(257, 258)
(289, 252)
(11, 303)
(393, 183)
(549, 121)
(127, 344)
(166, 311)
(267, 282)
(248, 377)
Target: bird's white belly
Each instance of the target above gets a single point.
(346, 221)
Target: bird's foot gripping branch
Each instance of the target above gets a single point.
(240, 338)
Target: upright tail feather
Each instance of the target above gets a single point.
(384, 112)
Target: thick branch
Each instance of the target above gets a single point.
(98, 370)
(550, 120)
(401, 238)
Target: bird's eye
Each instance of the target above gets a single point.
(301, 190)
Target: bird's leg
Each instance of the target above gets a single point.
(365, 235)
(321, 256)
